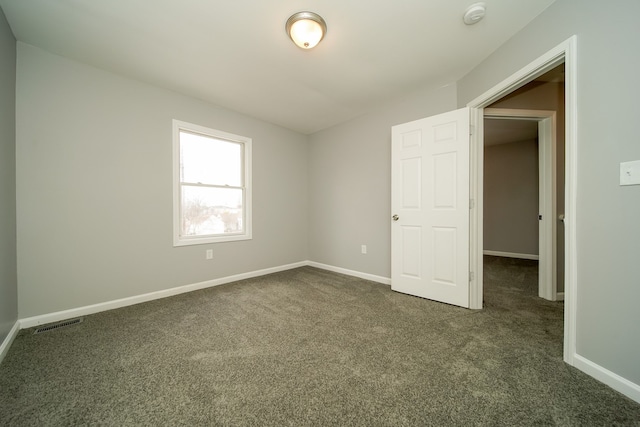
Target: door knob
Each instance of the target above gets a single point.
(395, 217)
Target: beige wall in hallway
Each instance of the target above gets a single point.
(547, 96)
(511, 197)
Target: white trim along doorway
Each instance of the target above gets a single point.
(563, 53)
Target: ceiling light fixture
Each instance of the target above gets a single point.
(306, 29)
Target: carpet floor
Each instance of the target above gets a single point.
(308, 347)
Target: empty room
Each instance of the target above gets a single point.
(287, 213)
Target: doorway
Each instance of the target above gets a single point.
(565, 53)
(520, 183)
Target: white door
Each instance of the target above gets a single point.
(430, 208)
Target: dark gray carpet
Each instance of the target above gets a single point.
(311, 347)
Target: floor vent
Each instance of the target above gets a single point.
(58, 325)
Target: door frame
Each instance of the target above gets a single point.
(547, 229)
(566, 53)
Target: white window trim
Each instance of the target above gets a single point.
(179, 240)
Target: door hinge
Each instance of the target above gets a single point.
(472, 203)
(471, 276)
(472, 129)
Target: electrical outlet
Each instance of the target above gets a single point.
(209, 254)
(363, 249)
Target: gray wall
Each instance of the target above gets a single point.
(607, 214)
(94, 188)
(8, 278)
(350, 183)
(511, 197)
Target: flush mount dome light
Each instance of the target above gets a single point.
(306, 29)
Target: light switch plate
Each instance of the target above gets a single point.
(630, 173)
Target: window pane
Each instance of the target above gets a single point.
(207, 160)
(207, 211)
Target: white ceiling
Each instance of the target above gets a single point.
(235, 53)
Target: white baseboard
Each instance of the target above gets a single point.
(560, 296)
(366, 276)
(30, 322)
(511, 255)
(611, 379)
(57, 316)
(4, 347)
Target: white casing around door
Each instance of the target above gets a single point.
(430, 199)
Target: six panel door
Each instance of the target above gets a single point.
(430, 208)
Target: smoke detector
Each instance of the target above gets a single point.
(474, 13)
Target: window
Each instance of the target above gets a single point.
(212, 185)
